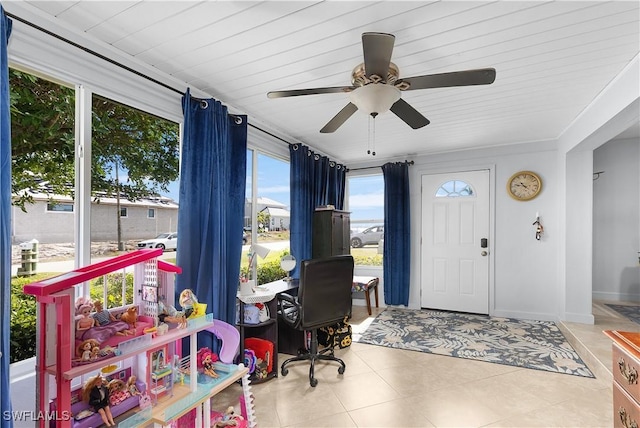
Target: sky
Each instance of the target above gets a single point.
(366, 193)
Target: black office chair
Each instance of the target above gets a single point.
(324, 298)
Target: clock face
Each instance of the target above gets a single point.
(524, 185)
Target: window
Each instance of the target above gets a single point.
(366, 204)
(134, 156)
(454, 189)
(56, 207)
(272, 211)
(43, 165)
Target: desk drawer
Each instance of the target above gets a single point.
(626, 413)
(626, 369)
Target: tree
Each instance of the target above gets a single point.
(263, 220)
(143, 147)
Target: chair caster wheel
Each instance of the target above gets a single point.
(341, 370)
(284, 371)
(313, 382)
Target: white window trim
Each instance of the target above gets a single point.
(59, 211)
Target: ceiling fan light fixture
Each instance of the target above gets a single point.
(374, 98)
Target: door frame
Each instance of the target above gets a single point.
(415, 298)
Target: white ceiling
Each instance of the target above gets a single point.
(552, 59)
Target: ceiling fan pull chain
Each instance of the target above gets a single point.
(369, 135)
(373, 153)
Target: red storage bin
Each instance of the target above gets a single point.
(263, 349)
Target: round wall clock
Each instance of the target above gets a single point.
(524, 185)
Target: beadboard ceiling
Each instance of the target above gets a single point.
(552, 59)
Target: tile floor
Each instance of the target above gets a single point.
(384, 387)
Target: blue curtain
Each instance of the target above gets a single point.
(315, 180)
(210, 217)
(5, 217)
(397, 228)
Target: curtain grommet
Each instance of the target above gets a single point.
(204, 104)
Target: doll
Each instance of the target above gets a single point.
(170, 314)
(118, 392)
(95, 351)
(102, 316)
(84, 350)
(96, 393)
(131, 386)
(188, 300)
(228, 419)
(85, 321)
(207, 359)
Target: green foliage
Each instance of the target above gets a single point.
(263, 219)
(143, 147)
(367, 260)
(22, 338)
(268, 270)
(114, 290)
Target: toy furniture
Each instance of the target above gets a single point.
(324, 298)
(366, 284)
(79, 408)
(58, 366)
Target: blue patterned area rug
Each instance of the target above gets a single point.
(531, 344)
(629, 311)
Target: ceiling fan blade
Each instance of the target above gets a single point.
(377, 49)
(312, 91)
(482, 76)
(339, 118)
(408, 114)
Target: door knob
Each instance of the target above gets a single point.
(483, 253)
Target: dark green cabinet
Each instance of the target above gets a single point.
(331, 233)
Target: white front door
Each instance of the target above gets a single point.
(455, 232)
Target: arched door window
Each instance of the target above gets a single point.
(454, 189)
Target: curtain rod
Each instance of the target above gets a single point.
(408, 162)
(125, 67)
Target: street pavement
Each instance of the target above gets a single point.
(68, 265)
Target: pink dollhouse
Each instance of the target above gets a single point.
(146, 352)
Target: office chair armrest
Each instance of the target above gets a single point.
(288, 309)
(286, 297)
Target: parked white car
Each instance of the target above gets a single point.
(371, 235)
(166, 241)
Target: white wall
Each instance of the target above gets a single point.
(616, 221)
(523, 270)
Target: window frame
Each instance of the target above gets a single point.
(57, 204)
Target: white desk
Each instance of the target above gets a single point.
(266, 292)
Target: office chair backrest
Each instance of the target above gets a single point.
(325, 290)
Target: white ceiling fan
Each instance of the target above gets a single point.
(377, 87)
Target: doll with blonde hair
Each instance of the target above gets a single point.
(96, 393)
(132, 387)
